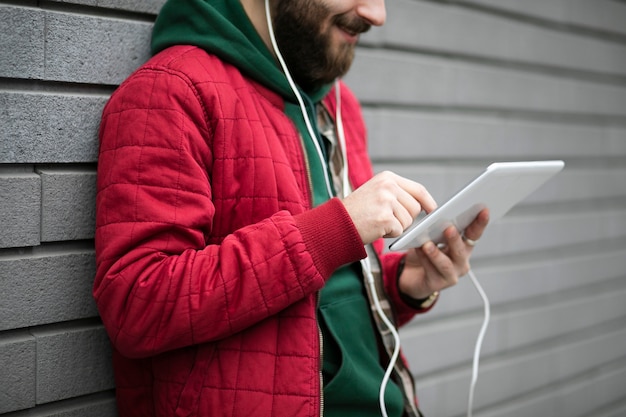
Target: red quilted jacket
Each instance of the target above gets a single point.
(209, 256)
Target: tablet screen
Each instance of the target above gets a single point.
(500, 187)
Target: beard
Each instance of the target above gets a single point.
(303, 31)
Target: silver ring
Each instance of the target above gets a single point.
(469, 241)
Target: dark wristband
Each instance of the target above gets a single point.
(416, 303)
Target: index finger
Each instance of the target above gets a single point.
(419, 193)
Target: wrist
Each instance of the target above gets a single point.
(417, 303)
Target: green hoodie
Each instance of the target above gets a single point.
(223, 28)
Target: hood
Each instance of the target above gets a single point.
(222, 28)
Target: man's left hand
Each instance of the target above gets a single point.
(430, 268)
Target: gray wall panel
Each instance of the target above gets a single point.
(22, 33)
(94, 50)
(46, 287)
(49, 127)
(420, 81)
(20, 205)
(401, 134)
(67, 360)
(604, 15)
(68, 210)
(18, 376)
(418, 26)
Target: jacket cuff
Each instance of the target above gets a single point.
(330, 236)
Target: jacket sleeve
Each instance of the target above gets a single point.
(159, 286)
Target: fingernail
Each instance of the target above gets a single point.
(429, 247)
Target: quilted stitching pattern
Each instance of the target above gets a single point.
(202, 195)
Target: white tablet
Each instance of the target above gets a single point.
(501, 186)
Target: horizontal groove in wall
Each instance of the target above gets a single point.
(15, 336)
(66, 326)
(21, 169)
(24, 334)
(588, 249)
(16, 169)
(610, 409)
(593, 207)
(574, 28)
(546, 345)
(537, 261)
(69, 406)
(82, 9)
(564, 296)
(48, 249)
(97, 11)
(54, 87)
(402, 160)
(87, 168)
(585, 377)
(582, 119)
(617, 79)
(399, 161)
(595, 288)
(20, 3)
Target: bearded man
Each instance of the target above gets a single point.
(239, 224)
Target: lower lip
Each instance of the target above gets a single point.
(350, 38)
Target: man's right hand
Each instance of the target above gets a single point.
(386, 205)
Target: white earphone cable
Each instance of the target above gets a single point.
(394, 333)
(342, 139)
(479, 341)
(365, 262)
(294, 88)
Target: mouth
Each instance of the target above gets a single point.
(351, 28)
(351, 34)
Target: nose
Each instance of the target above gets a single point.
(372, 11)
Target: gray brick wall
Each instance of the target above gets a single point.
(450, 86)
(59, 62)
(447, 87)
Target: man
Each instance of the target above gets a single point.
(229, 240)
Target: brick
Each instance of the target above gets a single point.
(67, 131)
(72, 362)
(21, 33)
(93, 49)
(68, 205)
(41, 289)
(20, 205)
(141, 6)
(18, 370)
(147, 6)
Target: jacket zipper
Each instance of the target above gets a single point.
(317, 295)
(321, 363)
